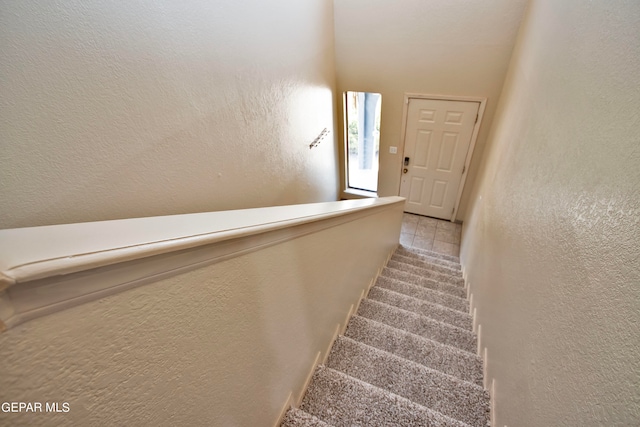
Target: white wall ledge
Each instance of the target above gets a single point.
(354, 193)
(44, 269)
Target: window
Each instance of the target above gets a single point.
(362, 118)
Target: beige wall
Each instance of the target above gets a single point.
(222, 345)
(552, 241)
(147, 108)
(433, 47)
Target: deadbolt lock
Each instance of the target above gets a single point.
(405, 170)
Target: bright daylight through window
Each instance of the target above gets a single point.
(363, 139)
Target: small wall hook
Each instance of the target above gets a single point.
(319, 139)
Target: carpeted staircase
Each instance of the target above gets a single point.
(408, 356)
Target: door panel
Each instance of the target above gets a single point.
(438, 194)
(453, 117)
(447, 151)
(423, 144)
(415, 195)
(437, 138)
(427, 116)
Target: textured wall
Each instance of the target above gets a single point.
(436, 47)
(222, 345)
(140, 108)
(551, 244)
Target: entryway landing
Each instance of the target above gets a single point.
(433, 234)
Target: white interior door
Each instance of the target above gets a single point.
(437, 138)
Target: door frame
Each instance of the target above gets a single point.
(472, 144)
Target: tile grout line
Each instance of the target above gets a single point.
(411, 236)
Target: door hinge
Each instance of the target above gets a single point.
(464, 168)
(477, 118)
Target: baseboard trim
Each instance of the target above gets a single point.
(307, 381)
(339, 330)
(492, 402)
(288, 404)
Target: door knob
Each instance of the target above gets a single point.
(405, 170)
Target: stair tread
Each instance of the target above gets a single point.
(417, 253)
(424, 308)
(299, 418)
(433, 389)
(432, 354)
(426, 272)
(426, 264)
(426, 294)
(432, 254)
(342, 400)
(424, 281)
(419, 325)
(452, 269)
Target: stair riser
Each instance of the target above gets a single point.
(449, 264)
(341, 400)
(418, 325)
(424, 282)
(442, 278)
(432, 255)
(427, 265)
(423, 308)
(419, 292)
(431, 354)
(448, 395)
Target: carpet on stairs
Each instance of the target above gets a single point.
(407, 357)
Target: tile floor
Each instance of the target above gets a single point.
(429, 233)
